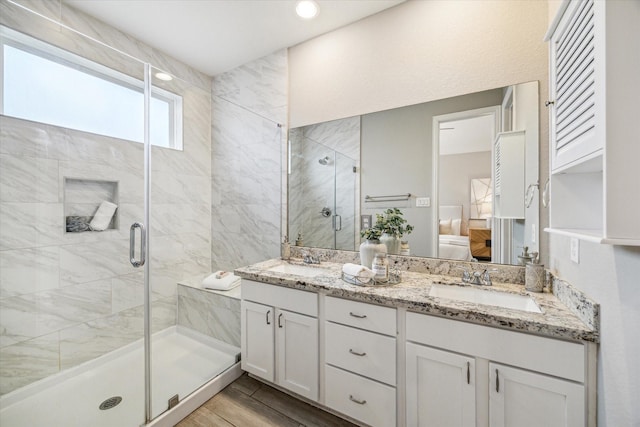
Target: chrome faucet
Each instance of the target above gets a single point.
(476, 277)
(309, 259)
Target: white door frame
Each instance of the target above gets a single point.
(494, 111)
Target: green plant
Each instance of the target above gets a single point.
(392, 223)
(371, 233)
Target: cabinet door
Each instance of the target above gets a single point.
(297, 353)
(257, 345)
(523, 398)
(573, 87)
(440, 388)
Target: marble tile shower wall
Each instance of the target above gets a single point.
(66, 298)
(248, 150)
(312, 184)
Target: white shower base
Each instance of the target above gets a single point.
(182, 361)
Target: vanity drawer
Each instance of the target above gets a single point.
(365, 400)
(279, 296)
(365, 353)
(361, 315)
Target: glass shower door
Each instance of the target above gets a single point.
(188, 339)
(71, 184)
(345, 203)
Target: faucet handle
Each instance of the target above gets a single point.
(486, 276)
(466, 274)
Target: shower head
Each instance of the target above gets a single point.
(324, 161)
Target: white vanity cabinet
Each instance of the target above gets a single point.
(279, 329)
(521, 398)
(441, 387)
(463, 374)
(360, 360)
(594, 88)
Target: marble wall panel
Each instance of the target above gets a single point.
(25, 271)
(247, 153)
(28, 179)
(80, 263)
(28, 361)
(209, 313)
(30, 225)
(341, 135)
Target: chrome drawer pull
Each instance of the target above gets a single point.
(359, 402)
(359, 316)
(356, 353)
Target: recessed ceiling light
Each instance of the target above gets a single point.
(307, 9)
(164, 76)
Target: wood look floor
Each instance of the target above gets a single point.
(247, 402)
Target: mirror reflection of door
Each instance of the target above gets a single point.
(465, 141)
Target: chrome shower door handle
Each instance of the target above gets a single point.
(337, 222)
(132, 244)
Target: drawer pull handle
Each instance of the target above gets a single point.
(267, 316)
(280, 320)
(468, 373)
(359, 402)
(497, 382)
(359, 316)
(356, 353)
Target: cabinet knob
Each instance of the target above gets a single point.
(547, 103)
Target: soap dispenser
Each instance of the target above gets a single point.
(525, 257)
(286, 249)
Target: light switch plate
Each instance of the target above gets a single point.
(575, 250)
(423, 202)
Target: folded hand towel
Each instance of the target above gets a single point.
(358, 271)
(103, 216)
(221, 281)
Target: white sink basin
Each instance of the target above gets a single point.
(298, 270)
(486, 297)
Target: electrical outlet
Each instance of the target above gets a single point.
(575, 250)
(423, 202)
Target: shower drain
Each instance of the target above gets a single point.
(111, 402)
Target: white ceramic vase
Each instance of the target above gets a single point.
(368, 251)
(391, 242)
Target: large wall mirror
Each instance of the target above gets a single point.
(463, 171)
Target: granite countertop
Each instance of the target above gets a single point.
(556, 319)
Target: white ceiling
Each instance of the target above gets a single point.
(214, 36)
(467, 136)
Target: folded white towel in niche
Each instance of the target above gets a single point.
(103, 216)
(358, 271)
(221, 281)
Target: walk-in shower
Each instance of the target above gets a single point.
(96, 316)
(322, 189)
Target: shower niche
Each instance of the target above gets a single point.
(83, 198)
